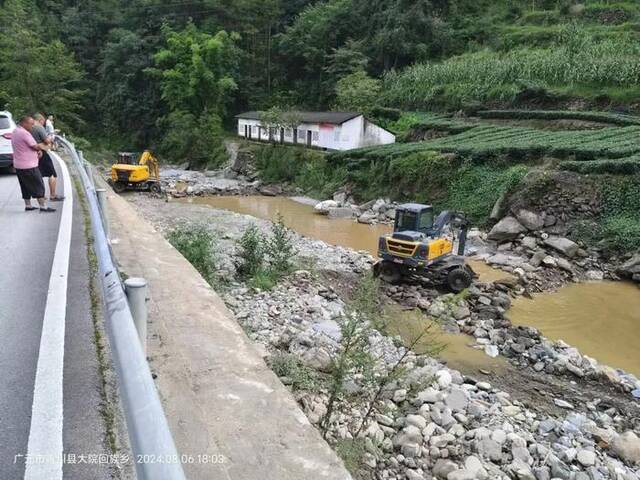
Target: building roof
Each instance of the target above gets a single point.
(336, 118)
(413, 207)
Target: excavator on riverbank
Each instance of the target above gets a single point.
(127, 174)
(423, 246)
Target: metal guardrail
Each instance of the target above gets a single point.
(155, 454)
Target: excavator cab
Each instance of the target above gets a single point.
(131, 174)
(423, 245)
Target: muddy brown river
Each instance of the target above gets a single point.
(601, 319)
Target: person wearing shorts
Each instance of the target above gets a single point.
(25, 162)
(47, 170)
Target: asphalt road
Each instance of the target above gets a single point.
(50, 387)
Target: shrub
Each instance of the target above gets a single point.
(251, 253)
(279, 248)
(196, 244)
(301, 377)
(622, 232)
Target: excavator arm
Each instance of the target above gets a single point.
(150, 161)
(456, 220)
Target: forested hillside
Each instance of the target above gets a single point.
(172, 74)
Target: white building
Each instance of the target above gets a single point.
(326, 130)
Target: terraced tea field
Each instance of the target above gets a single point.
(611, 149)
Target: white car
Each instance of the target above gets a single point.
(7, 126)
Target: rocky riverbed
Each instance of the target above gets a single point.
(550, 413)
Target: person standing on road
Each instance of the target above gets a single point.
(47, 170)
(51, 131)
(25, 162)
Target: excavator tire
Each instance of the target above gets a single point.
(458, 279)
(119, 187)
(154, 188)
(388, 272)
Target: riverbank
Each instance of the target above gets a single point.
(301, 316)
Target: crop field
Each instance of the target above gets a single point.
(614, 149)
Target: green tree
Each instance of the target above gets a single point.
(358, 92)
(198, 72)
(36, 75)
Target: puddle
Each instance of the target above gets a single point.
(601, 319)
(456, 351)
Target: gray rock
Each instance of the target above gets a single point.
(400, 395)
(564, 264)
(340, 212)
(491, 350)
(411, 450)
(413, 475)
(489, 449)
(474, 464)
(627, 447)
(563, 245)
(537, 258)
(530, 220)
(443, 468)
(563, 404)
(506, 229)
(318, 359)
(330, 328)
(417, 421)
(462, 474)
(530, 243)
(630, 267)
(586, 458)
(457, 400)
(367, 218)
(323, 207)
(542, 473)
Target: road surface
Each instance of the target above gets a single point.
(50, 387)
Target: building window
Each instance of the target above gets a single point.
(315, 137)
(336, 135)
(302, 134)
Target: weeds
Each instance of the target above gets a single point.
(300, 377)
(264, 261)
(196, 244)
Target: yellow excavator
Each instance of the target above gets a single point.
(423, 245)
(127, 174)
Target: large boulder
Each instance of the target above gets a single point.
(506, 229)
(324, 207)
(627, 447)
(630, 267)
(530, 220)
(563, 245)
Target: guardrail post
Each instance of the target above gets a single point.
(136, 289)
(102, 202)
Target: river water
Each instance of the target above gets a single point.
(601, 319)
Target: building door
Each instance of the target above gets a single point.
(295, 136)
(281, 135)
(247, 133)
(309, 137)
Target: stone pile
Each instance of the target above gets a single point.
(179, 183)
(435, 423)
(527, 245)
(343, 205)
